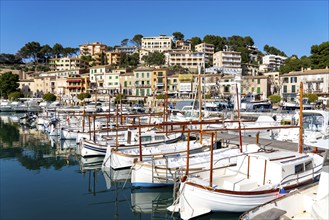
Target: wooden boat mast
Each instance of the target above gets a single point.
(300, 149)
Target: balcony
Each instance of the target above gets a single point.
(143, 86)
(314, 80)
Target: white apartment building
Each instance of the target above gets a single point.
(127, 49)
(67, 63)
(160, 43)
(207, 49)
(228, 59)
(185, 59)
(97, 76)
(272, 62)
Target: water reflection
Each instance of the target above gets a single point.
(30, 147)
(76, 186)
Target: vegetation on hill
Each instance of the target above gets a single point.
(38, 55)
(9, 84)
(318, 59)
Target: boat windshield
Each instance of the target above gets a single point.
(313, 122)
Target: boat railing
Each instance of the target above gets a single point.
(299, 176)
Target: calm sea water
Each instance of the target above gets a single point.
(43, 178)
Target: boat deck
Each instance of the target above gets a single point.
(233, 139)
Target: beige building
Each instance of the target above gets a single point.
(160, 43)
(91, 49)
(183, 45)
(127, 81)
(112, 82)
(207, 49)
(314, 81)
(185, 59)
(173, 84)
(143, 77)
(151, 44)
(259, 86)
(67, 63)
(113, 58)
(228, 59)
(275, 84)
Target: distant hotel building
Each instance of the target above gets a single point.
(207, 49)
(228, 59)
(67, 63)
(271, 63)
(151, 44)
(185, 59)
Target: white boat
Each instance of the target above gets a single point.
(315, 129)
(125, 158)
(5, 106)
(310, 202)
(167, 170)
(256, 179)
(129, 140)
(261, 122)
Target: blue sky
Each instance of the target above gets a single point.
(291, 26)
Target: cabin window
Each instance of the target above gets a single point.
(308, 165)
(299, 168)
(157, 138)
(146, 138)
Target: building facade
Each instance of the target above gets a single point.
(185, 59)
(314, 81)
(207, 49)
(272, 63)
(143, 77)
(228, 59)
(67, 63)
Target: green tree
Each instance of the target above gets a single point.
(178, 69)
(217, 41)
(160, 96)
(155, 58)
(178, 36)
(70, 51)
(295, 64)
(118, 97)
(13, 96)
(46, 52)
(195, 41)
(124, 42)
(8, 83)
(58, 50)
(248, 41)
(311, 97)
(137, 40)
(272, 50)
(275, 98)
(10, 59)
(320, 55)
(49, 97)
(83, 96)
(30, 50)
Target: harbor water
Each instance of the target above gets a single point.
(41, 177)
